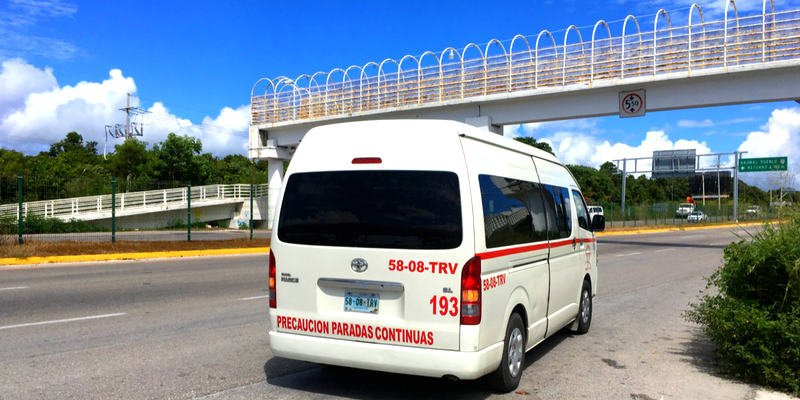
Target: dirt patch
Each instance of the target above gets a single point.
(32, 248)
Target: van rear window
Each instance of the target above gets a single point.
(377, 209)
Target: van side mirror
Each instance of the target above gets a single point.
(598, 223)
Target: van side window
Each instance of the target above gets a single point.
(583, 215)
(559, 211)
(513, 211)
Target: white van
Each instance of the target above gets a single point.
(429, 248)
(595, 210)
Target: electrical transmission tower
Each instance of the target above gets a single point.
(130, 129)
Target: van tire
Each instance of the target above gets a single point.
(506, 377)
(584, 317)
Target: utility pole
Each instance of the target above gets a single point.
(130, 129)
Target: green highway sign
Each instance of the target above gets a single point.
(763, 164)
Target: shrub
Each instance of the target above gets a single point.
(754, 317)
(39, 224)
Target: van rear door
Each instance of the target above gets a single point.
(372, 251)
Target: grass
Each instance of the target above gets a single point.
(34, 248)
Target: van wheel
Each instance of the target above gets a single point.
(585, 310)
(506, 377)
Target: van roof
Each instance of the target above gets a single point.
(461, 128)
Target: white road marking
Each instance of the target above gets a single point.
(629, 254)
(659, 251)
(255, 297)
(13, 288)
(58, 321)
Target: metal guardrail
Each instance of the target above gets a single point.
(93, 207)
(452, 75)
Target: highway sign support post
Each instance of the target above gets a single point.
(736, 156)
(189, 211)
(251, 210)
(19, 207)
(624, 178)
(113, 209)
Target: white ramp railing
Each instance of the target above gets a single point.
(94, 207)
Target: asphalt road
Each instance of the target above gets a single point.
(189, 328)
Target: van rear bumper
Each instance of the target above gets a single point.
(385, 357)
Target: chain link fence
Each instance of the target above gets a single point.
(666, 214)
(109, 209)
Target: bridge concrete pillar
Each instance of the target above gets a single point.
(484, 122)
(275, 168)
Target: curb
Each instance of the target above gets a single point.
(130, 256)
(686, 228)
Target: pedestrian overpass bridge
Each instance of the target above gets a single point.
(732, 60)
(154, 208)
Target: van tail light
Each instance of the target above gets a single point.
(272, 267)
(471, 292)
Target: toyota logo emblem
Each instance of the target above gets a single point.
(358, 265)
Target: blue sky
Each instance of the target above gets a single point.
(195, 63)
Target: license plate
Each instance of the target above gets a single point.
(361, 302)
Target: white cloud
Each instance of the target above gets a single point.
(780, 136)
(17, 80)
(38, 112)
(689, 123)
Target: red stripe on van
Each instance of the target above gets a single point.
(523, 249)
(513, 250)
(560, 243)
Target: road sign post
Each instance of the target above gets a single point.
(763, 164)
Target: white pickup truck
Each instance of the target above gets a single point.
(684, 210)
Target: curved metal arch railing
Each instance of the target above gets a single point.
(622, 50)
(725, 31)
(764, 37)
(282, 83)
(381, 73)
(655, 36)
(346, 76)
(536, 56)
(423, 84)
(317, 102)
(337, 107)
(702, 26)
(486, 66)
(305, 112)
(445, 82)
(464, 59)
(368, 98)
(401, 78)
(511, 61)
(580, 39)
(764, 27)
(591, 61)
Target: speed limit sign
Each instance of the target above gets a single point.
(631, 104)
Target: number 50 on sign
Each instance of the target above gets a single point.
(632, 104)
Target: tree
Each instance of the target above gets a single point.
(532, 142)
(129, 159)
(177, 153)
